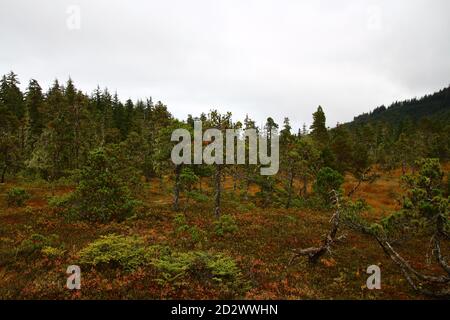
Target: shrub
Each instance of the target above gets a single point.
(188, 178)
(204, 266)
(326, 181)
(36, 243)
(103, 194)
(197, 196)
(195, 235)
(17, 197)
(267, 186)
(129, 253)
(180, 222)
(225, 224)
(52, 252)
(425, 200)
(62, 201)
(115, 251)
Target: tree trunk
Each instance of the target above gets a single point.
(305, 184)
(5, 166)
(218, 190)
(314, 253)
(176, 188)
(291, 182)
(354, 188)
(4, 173)
(235, 174)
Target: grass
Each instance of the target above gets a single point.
(261, 248)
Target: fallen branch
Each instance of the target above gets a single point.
(314, 253)
(416, 279)
(410, 273)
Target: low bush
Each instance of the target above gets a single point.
(201, 265)
(225, 224)
(104, 192)
(16, 197)
(192, 235)
(114, 250)
(131, 252)
(62, 201)
(52, 252)
(197, 196)
(35, 243)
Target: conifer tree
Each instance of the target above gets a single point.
(318, 128)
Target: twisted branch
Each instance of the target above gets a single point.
(314, 253)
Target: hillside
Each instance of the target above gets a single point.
(435, 106)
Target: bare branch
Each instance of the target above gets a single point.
(314, 253)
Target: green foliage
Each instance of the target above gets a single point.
(201, 265)
(190, 234)
(424, 208)
(342, 148)
(448, 184)
(225, 224)
(62, 201)
(351, 214)
(327, 180)
(197, 196)
(245, 207)
(131, 252)
(425, 196)
(36, 243)
(327, 158)
(103, 194)
(114, 250)
(52, 252)
(318, 128)
(188, 178)
(17, 197)
(310, 202)
(267, 186)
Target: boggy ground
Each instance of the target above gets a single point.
(261, 248)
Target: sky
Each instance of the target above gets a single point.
(264, 58)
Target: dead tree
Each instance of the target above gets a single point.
(217, 190)
(420, 281)
(430, 285)
(437, 286)
(314, 253)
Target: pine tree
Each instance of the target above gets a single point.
(319, 130)
(341, 146)
(34, 100)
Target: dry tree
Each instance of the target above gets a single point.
(425, 210)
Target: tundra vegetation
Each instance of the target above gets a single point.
(88, 180)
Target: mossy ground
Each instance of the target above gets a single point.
(261, 248)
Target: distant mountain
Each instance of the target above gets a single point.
(435, 107)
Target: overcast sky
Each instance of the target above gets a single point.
(265, 58)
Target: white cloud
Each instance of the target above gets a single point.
(277, 58)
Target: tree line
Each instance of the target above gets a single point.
(108, 147)
(52, 134)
